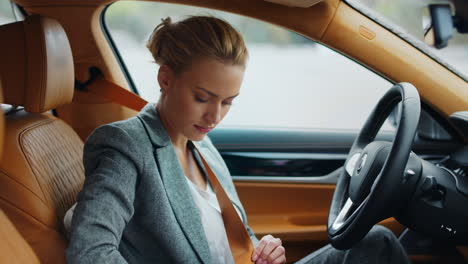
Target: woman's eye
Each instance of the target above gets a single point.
(198, 99)
(227, 103)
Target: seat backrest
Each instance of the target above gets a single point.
(13, 247)
(41, 170)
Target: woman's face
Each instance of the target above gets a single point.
(195, 102)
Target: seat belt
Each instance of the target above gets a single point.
(239, 240)
(98, 85)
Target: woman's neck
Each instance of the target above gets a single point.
(178, 140)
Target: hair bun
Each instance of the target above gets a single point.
(178, 44)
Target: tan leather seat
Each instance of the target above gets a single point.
(41, 170)
(13, 247)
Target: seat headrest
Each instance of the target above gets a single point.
(36, 64)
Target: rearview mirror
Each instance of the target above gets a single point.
(441, 29)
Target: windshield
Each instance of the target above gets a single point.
(411, 18)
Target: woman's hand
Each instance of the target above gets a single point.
(269, 251)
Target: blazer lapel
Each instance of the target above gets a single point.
(172, 175)
(180, 198)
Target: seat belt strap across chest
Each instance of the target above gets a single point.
(239, 240)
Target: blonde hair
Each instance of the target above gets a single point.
(178, 44)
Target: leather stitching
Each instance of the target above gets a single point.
(3, 173)
(60, 178)
(20, 139)
(331, 20)
(8, 203)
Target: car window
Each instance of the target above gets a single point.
(411, 17)
(6, 13)
(290, 81)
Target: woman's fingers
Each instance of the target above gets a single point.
(269, 250)
(270, 246)
(278, 256)
(259, 249)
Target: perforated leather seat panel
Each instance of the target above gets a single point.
(40, 176)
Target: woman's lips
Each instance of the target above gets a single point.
(203, 129)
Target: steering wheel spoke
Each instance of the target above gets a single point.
(343, 215)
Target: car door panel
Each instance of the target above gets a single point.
(296, 213)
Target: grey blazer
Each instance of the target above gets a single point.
(136, 206)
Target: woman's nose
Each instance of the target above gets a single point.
(213, 115)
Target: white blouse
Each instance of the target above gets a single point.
(212, 221)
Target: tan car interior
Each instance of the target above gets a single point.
(13, 247)
(41, 169)
(42, 172)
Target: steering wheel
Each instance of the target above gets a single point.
(375, 171)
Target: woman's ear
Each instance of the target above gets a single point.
(165, 77)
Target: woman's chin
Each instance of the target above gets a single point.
(197, 137)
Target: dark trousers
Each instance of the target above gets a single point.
(379, 246)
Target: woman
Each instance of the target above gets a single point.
(147, 198)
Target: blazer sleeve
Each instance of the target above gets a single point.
(105, 204)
